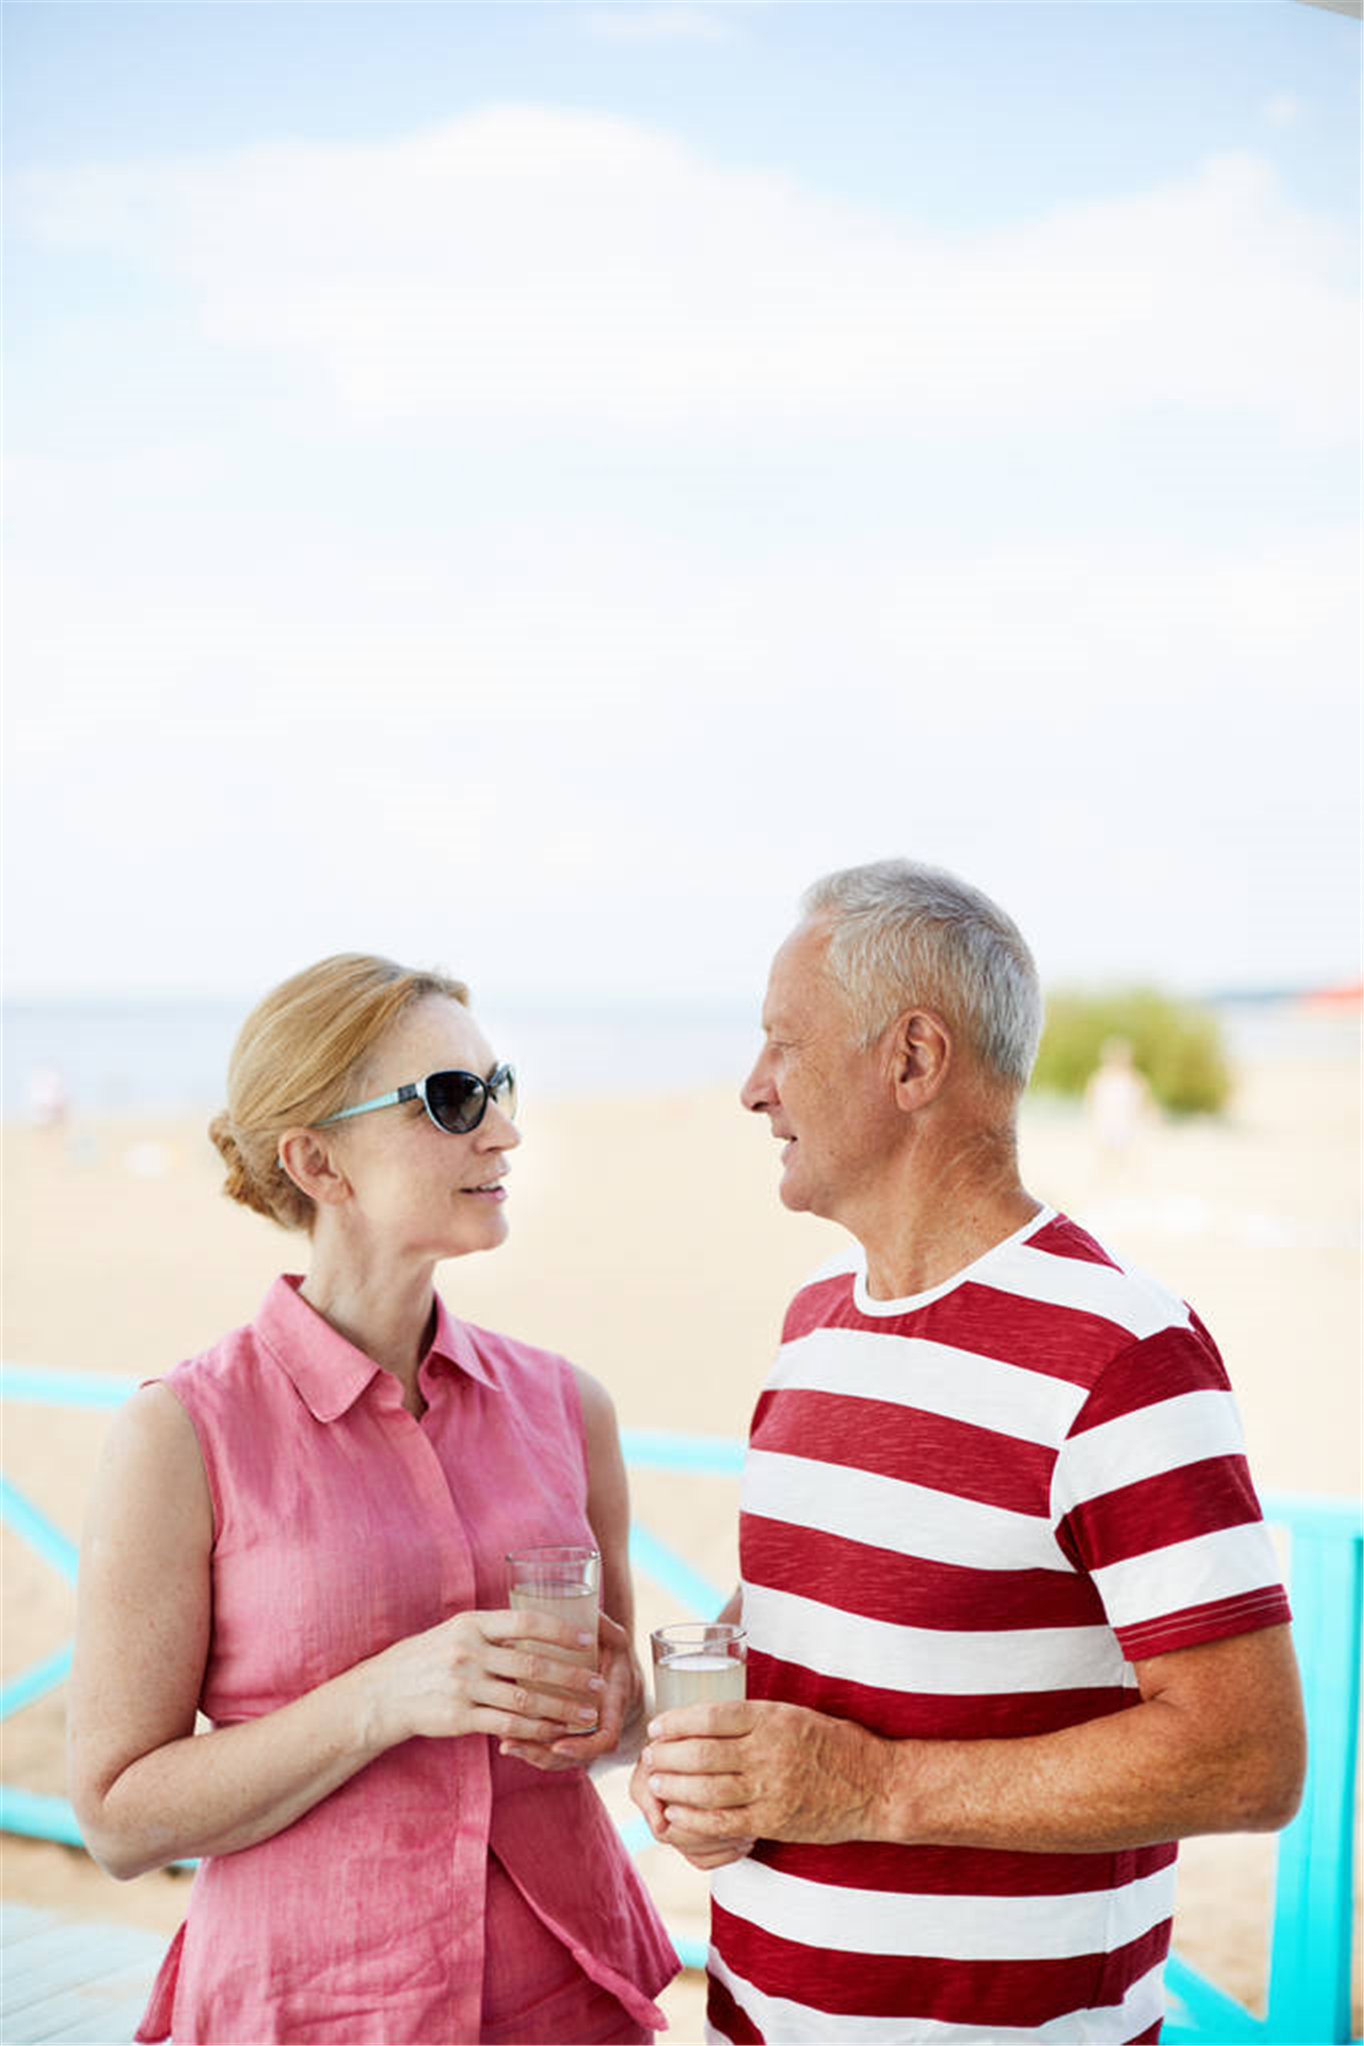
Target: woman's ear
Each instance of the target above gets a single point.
(311, 1163)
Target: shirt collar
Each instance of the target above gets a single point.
(453, 1342)
(328, 1371)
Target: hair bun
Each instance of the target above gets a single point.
(242, 1183)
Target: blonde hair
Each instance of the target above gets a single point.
(298, 1058)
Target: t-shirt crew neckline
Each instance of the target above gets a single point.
(908, 1302)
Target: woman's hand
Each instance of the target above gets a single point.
(621, 1697)
(480, 1673)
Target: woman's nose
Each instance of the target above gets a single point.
(502, 1133)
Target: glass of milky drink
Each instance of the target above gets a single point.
(698, 1662)
(562, 1581)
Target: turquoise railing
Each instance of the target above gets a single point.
(1310, 1942)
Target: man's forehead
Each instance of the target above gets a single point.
(797, 978)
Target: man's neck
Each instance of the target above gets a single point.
(944, 1213)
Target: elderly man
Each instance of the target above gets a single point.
(1014, 1622)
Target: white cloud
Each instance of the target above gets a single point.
(1149, 754)
(538, 270)
(591, 743)
(571, 633)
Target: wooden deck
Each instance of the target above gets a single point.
(61, 1980)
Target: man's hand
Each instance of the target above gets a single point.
(754, 1769)
(698, 1849)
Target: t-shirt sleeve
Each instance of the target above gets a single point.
(1152, 1498)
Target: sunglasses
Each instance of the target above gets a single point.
(456, 1102)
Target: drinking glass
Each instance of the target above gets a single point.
(698, 1662)
(562, 1580)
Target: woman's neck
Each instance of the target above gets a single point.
(386, 1312)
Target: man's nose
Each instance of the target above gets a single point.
(756, 1092)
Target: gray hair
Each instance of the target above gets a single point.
(904, 933)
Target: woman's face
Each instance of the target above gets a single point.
(416, 1189)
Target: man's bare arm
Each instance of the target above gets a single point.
(1216, 1745)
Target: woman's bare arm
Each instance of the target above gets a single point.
(148, 1790)
(608, 1500)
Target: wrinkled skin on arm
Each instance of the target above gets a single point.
(1217, 1744)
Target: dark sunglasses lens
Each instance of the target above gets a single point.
(503, 1089)
(456, 1100)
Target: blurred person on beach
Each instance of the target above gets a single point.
(1118, 1107)
(1015, 1625)
(49, 1104)
(302, 1533)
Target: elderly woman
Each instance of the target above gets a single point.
(301, 1534)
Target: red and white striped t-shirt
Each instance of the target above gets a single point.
(966, 1515)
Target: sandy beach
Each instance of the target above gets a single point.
(648, 1245)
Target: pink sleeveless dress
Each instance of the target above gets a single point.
(342, 1523)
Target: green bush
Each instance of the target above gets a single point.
(1177, 1045)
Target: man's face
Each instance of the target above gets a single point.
(827, 1100)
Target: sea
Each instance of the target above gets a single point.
(167, 1057)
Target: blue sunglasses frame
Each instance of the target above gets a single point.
(500, 1086)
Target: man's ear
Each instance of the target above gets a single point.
(921, 1057)
(311, 1163)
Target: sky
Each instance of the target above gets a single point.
(527, 488)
